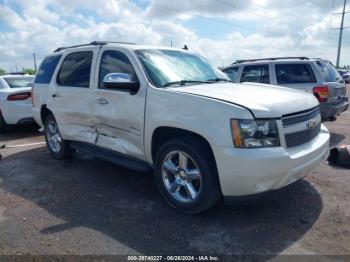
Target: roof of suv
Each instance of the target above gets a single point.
(275, 59)
(122, 44)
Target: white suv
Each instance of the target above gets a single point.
(315, 76)
(169, 110)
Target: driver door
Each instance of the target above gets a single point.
(117, 114)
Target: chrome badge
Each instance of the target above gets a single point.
(311, 123)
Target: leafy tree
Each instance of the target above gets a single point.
(2, 72)
(29, 71)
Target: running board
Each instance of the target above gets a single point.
(112, 156)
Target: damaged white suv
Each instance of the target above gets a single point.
(169, 110)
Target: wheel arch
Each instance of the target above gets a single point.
(44, 112)
(165, 133)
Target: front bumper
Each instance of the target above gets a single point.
(331, 109)
(251, 171)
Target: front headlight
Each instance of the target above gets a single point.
(254, 133)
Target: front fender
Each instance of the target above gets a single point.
(207, 117)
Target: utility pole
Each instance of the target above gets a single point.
(34, 61)
(341, 33)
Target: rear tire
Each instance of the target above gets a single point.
(58, 147)
(186, 175)
(3, 125)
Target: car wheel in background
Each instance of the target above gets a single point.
(186, 175)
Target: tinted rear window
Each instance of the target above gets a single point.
(75, 70)
(294, 74)
(328, 71)
(46, 70)
(18, 82)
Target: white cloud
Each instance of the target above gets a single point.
(282, 27)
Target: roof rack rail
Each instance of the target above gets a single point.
(67, 47)
(92, 43)
(110, 42)
(271, 58)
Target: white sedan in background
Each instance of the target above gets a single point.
(15, 100)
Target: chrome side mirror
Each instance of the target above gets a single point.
(122, 82)
(116, 78)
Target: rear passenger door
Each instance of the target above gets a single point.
(256, 73)
(298, 76)
(70, 95)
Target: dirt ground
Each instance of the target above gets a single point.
(86, 206)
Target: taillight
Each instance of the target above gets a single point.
(19, 96)
(321, 93)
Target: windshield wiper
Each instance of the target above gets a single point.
(219, 80)
(184, 82)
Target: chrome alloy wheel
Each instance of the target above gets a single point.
(181, 176)
(54, 138)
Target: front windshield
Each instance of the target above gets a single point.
(172, 66)
(18, 82)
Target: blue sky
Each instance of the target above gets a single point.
(221, 30)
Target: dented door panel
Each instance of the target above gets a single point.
(119, 124)
(118, 116)
(72, 104)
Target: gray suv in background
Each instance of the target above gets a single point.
(312, 75)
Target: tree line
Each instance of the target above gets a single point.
(28, 71)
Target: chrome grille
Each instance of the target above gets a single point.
(298, 118)
(300, 128)
(301, 137)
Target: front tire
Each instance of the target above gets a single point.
(186, 175)
(58, 147)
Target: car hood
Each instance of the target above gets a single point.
(264, 101)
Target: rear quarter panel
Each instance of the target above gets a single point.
(336, 88)
(14, 111)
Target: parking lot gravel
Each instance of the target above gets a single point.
(87, 206)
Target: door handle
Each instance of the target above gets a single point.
(56, 95)
(101, 101)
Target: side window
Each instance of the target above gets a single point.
(115, 62)
(46, 70)
(232, 73)
(256, 73)
(75, 70)
(294, 74)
